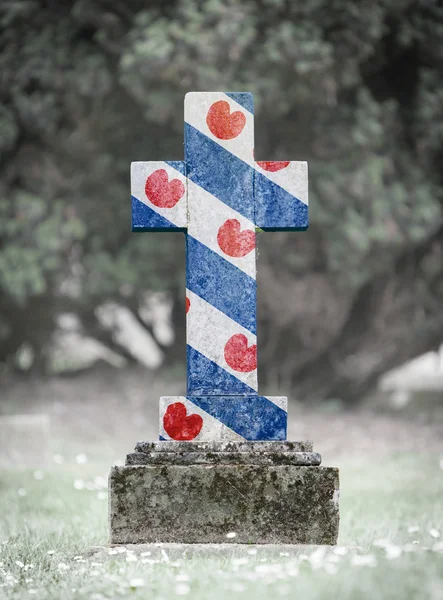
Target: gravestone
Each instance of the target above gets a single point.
(222, 466)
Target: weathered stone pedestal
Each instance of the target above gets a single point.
(195, 492)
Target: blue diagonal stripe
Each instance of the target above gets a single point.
(221, 284)
(206, 377)
(178, 165)
(275, 208)
(219, 172)
(252, 417)
(245, 99)
(231, 180)
(146, 219)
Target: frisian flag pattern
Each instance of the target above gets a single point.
(218, 196)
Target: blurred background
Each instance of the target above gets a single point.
(92, 314)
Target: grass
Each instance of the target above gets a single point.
(391, 505)
(50, 520)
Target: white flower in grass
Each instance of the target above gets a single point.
(182, 589)
(393, 552)
(21, 492)
(131, 558)
(121, 550)
(39, 475)
(137, 582)
(434, 533)
(413, 529)
(79, 484)
(19, 564)
(317, 557)
(63, 567)
(29, 580)
(330, 568)
(284, 553)
(50, 552)
(252, 551)
(112, 552)
(79, 557)
(81, 459)
(32, 591)
(96, 564)
(292, 569)
(231, 535)
(363, 560)
(149, 561)
(145, 554)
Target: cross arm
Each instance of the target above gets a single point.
(281, 195)
(159, 196)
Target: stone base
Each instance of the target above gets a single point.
(264, 492)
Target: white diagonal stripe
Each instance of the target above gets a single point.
(197, 105)
(293, 178)
(208, 329)
(212, 214)
(212, 430)
(140, 171)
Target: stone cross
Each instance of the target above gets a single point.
(218, 196)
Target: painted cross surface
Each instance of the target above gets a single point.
(218, 196)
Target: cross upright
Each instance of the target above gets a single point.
(218, 196)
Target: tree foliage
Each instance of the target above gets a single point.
(354, 88)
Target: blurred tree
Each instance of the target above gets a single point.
(354, 88)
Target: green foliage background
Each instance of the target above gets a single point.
(354, 88)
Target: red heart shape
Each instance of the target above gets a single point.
(238, 356)
(162, 192)
(222, 124)
(234, 242)
(180, 427)
(188, 304)
(273, 165)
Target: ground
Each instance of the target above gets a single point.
(54, 517)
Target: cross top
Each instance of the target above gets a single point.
(218, 196)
